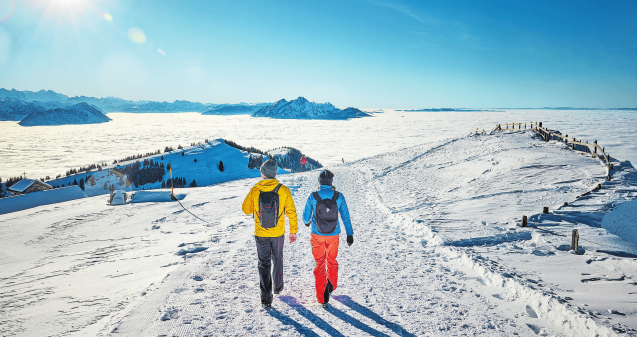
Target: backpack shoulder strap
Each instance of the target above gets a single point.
(316, 196)
(335, 196)
(276, 189)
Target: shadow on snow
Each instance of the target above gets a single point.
(346, 300)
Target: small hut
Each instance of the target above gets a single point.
(25, 186)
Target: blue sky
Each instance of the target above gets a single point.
(366, 54)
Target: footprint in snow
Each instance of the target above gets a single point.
(615, 312)
(531, 312)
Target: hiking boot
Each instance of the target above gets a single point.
(276, 292)
(325, 305)
(266, 305)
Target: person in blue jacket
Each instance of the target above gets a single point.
(321, 212)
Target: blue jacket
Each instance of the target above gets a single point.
(326, 192)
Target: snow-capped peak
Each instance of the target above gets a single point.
(301, 108)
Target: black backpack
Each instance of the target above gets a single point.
(326, 213)
(269, 208)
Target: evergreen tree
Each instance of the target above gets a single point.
(195, 160)
(74, 182)
(82, 183)
(193, 183)
(220, 166)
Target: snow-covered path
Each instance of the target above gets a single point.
(389, 284)
(438, 251)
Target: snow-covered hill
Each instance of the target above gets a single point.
(200, 163)
(81, 113)
(290, 158)
(438, 251)
(301, 108)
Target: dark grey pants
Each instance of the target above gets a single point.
(270, 249)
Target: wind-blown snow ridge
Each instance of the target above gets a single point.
(301, 108)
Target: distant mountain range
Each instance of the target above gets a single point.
(81, 113)
(16, 105)
(443, 109)
(301, 108)
(233, 110)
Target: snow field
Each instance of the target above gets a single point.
(437, 252)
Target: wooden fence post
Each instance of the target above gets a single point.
(524, 221)
(575, 241)
(545, 210)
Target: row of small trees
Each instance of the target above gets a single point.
(139, 156)
(243, 148)
(83, 169)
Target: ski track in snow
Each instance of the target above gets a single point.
(438, 251)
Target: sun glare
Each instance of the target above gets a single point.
(68, 8)
(6, 8)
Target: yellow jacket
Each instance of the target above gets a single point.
(286, 205)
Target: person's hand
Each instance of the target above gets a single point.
(350, 240)
(292, 237)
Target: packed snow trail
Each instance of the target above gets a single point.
(437, 252)
(389, 284)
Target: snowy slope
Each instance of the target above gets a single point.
(81, 113)
(290, 158)
(438, 251)
(623, 221)
(199, 163)
(35, 199)
(301, 108)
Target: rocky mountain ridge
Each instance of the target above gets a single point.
(301, 108)
(81, 113)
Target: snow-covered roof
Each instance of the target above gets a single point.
(40, 198)
(23, 184)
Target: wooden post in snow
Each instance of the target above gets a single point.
(545, 210)
(575, 241)
(524, 221)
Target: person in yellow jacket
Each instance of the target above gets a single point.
(269, 210)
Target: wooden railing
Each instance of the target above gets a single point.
(593, 149)
(501, 127)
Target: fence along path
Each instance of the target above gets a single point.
(577, 146)
(548, 135)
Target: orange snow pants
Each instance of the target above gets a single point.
(324, 249)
